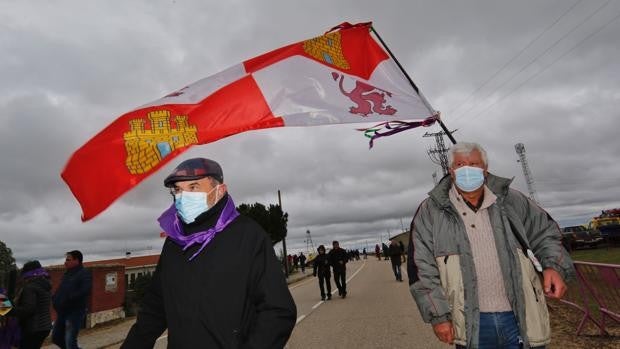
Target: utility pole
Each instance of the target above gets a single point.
(438, 154)
(283, 239)
(529, 179)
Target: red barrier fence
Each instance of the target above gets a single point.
(596, 293)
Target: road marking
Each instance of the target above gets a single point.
(303, 283)
(300, 319)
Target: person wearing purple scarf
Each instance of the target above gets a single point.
(32, 305)
(218, 283)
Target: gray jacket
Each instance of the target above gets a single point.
(441, 268)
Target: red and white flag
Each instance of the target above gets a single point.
(344, 76)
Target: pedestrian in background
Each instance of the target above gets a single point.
(302, 262)
(70, 301)
(378, 252)
(218, 283)
(9, 327)
(396, 259)
(483, 257)
(320, 267)
(338, 259)
(32, 305)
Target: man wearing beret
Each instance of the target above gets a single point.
(218, 283)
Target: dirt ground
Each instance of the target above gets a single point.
(564, 321)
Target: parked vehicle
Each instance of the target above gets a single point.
(578, 236)
(608, 223)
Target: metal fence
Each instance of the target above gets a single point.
(596, 294)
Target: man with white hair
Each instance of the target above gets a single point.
(482, 258)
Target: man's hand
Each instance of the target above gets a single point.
(445, 332)
(553, 283)
(314, 274)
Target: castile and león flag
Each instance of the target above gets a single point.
(343, 76)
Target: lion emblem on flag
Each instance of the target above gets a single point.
(369, 99)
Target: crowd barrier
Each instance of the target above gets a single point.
(596, 294)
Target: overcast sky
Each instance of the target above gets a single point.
(544, 73)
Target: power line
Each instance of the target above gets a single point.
(547, 66)
(534, 60)
(514, 57)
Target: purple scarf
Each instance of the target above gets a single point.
(169, 222)
(35, 272)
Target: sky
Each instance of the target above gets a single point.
(541, 73)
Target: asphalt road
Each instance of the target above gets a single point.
(378, 312)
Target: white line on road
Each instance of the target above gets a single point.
(299, 319)
(290, 288)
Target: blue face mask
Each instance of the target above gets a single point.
(468, 178)
(190, 205)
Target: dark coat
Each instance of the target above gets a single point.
(395, 254)
(32, 307)
(73, 292)
(338, 259)
(320, 265)
(231, 295)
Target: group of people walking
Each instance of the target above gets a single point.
(335, 260)
(26, 321)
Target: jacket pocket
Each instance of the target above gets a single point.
(536, 312)
(452, 283)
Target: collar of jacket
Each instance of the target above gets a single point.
(498, 185)
(74, 269)
(224, 211)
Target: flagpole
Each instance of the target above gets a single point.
(445, 129)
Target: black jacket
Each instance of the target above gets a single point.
(73, 292)
(32, 307)
(395, 254)
(231, 295)
(321, 264)
(338, 259)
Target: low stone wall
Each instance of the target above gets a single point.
(99, 317)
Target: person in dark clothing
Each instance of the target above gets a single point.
(396, 258)
(320, 267)
(9, 326)
(218, 283)
(70, 301)
(302, 262)
(338, 259)
(32, 306)
(402, 249)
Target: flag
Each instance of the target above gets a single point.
(343, 76)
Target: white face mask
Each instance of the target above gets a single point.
(190, 205)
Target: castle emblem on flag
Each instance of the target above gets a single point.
(146, 148)
(369, 99)
(327, 48)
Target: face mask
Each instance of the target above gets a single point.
(190, 205)
(469, 178)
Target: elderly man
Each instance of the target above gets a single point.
(218, 283)
(477, 253)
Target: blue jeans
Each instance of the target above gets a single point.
(499, 330)
(396, 270)
(66, 328)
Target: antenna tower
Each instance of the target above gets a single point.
(309, 243)
(529, 179)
